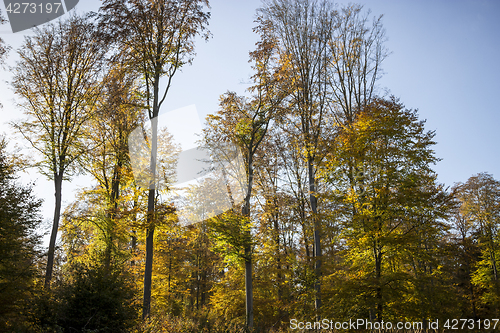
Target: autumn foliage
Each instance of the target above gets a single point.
(342, 217)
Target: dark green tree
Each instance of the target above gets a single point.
(19, 219)
(97, 298)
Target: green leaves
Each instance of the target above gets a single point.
(479, 214)
(380, 167)
(231, 234)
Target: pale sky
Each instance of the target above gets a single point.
(444, 62)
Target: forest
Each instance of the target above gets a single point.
(318, 198)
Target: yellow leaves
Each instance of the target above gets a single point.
(244, 128)
(385, 190)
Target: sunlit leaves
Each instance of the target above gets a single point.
(392, 207)
(479, 210)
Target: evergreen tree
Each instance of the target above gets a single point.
(19, 242)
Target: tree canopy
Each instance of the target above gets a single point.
(331, 207)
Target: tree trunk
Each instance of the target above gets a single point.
(148, 272)
(148, 269)
(114, 196)
(133, 238)
(248, 286)
(248, 249)
(55, 227)
(278, 256)
(317, 236)
(133, 246)
(378, 276)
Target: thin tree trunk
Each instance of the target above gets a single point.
(133, 246)
(377, 255)
(115, 195)
(378, 291)
(148, 269)
(55, 227)
(317, 237)
(248, 249)
(248, 286)
(133, 238)
(198, 281)
(278, 257)
(495, 277)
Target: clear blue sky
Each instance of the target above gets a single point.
(444, 62)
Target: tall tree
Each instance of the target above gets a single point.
(158, 38)
(302, 29)
(58, 80)
(465, 254)
(118, 113)
(245, 122)
(396, 210)
(356, 52)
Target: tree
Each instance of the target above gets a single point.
(245, 123)
(156, 37)
(94, 297)
(302, 30)
(118, 113)
(393, 218)
(19, 219)
(464, 253)
(280, 233)
(356, 52)
(479, 201)
(58, 80)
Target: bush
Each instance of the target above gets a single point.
(97, 299)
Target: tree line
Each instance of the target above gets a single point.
(341, 217)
